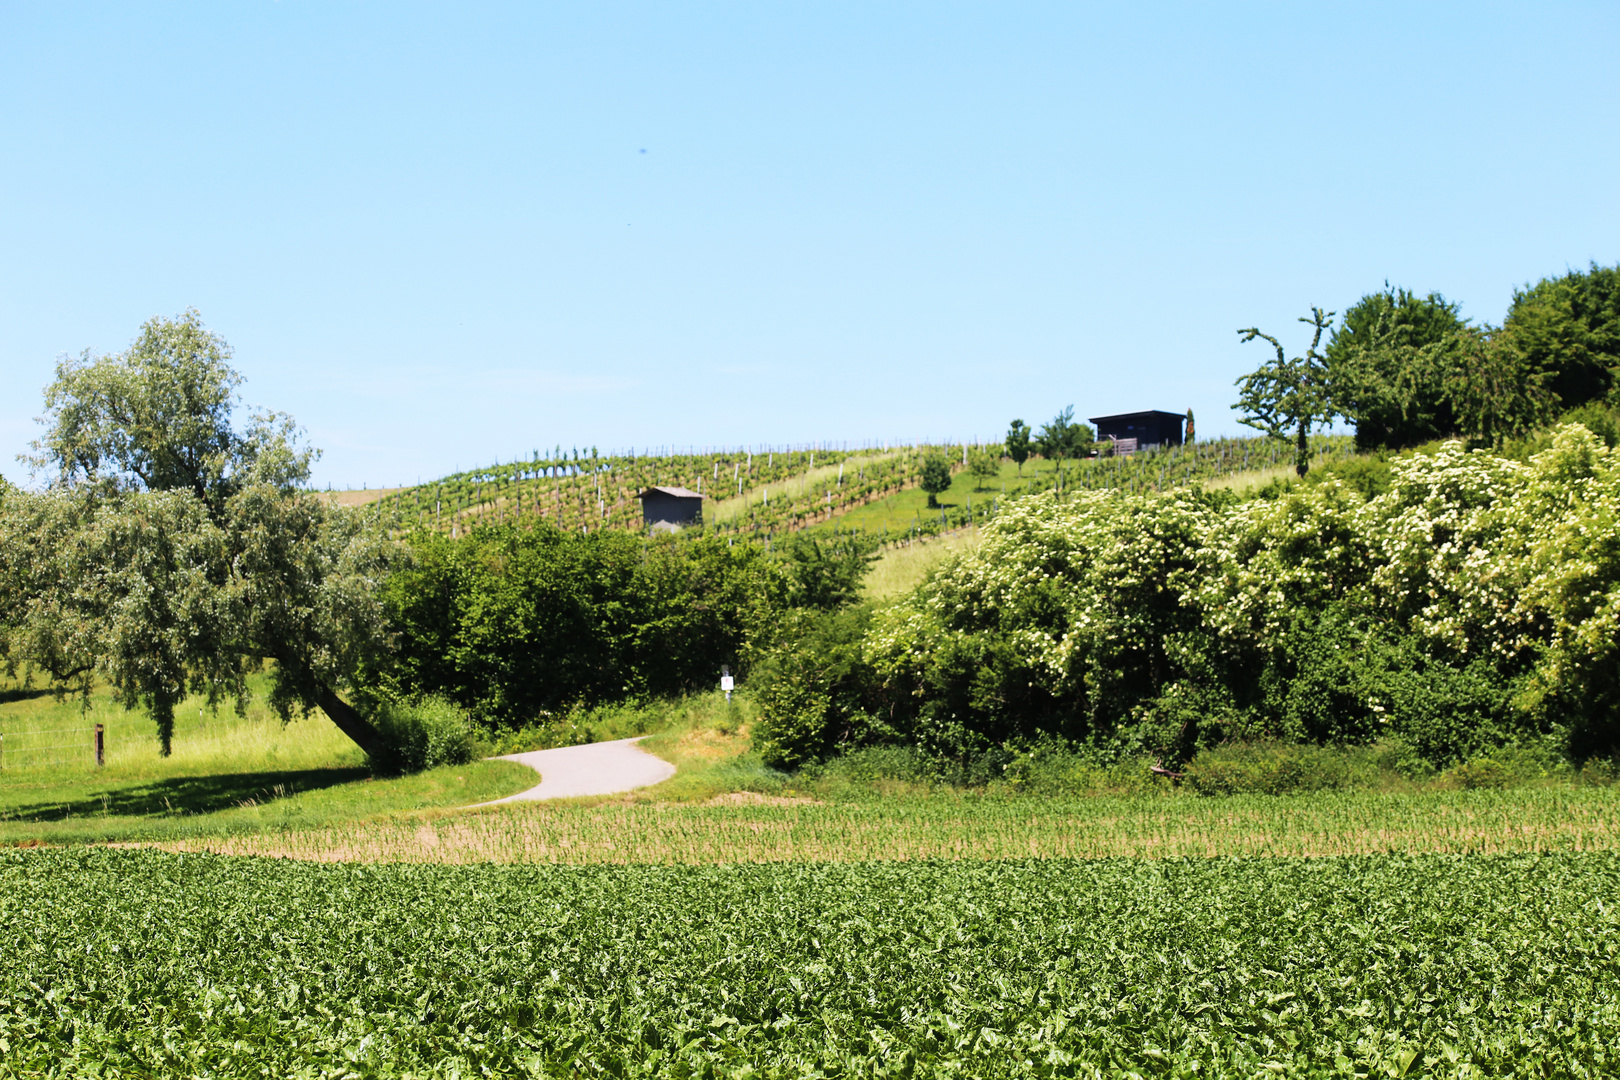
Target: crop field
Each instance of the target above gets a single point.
(147, 963)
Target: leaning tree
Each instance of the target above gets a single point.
(172, 553)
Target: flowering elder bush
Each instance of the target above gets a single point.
(1568, 596)
(1065, 616)
(1446, 548)
(1474, 603)
(1262, 562)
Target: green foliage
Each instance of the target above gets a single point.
(826, 572)
(1387, 365)
(1368, 475)
(1271, 769)
(1062, 439)
(514, 623)
(1288, 398)
(151, 593)
(1470, 603)
(1567, 330)
(936, 475)
(811, 683)
(420, 735)
(1602, 420)
(158, 417)
(148, 963)
(984, 465)
(1018, 444)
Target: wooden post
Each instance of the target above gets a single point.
(101, 746)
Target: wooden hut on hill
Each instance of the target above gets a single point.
(670, 507)
(1134, 431)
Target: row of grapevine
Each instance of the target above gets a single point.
(759, 494)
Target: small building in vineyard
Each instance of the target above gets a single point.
(1135, 431)
(670, 507)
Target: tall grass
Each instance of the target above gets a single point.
(901, 568)
(778, 828)
(227, 773)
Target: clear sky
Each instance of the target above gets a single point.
(445, 235)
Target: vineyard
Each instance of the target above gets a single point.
(765, 492)
(154, 964)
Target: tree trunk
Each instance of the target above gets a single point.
(349, 721)
(1302, 453)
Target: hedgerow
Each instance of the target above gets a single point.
(1474, 603)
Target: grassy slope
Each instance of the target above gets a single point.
(897, 512)
(902, 567)
(227, 774)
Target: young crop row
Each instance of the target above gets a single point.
(147, 963)
(765, 494)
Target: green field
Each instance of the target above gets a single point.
(286, 915)
(141, 963)
(227, 773)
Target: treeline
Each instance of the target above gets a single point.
(1407, 369)
(1472, 604)
(517, 623)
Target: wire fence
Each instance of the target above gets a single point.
(29, 748)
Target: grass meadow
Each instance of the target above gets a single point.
(249, 786)
(226, 773)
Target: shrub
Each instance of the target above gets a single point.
(808, 685)
(1480, 773)
(1275, 769)
(792, 725)
(874, 763)
(421, 735)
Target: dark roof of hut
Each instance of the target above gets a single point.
(678, 492)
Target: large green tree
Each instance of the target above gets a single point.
(1288, 397)
(172, 553)
(1387, 363)
(1567, 329)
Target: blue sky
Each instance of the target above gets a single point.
(444, 235)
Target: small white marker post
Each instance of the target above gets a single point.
(727, 683)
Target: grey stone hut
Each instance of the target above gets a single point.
(1134, 431)
(670, 507)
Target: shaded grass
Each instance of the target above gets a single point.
(227, 774)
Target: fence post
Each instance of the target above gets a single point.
(101, 746)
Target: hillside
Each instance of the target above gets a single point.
(776, 490)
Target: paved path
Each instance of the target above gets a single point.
(593, 769)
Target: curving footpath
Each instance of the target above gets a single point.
(603, 768)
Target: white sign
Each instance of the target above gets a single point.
(727, 683)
